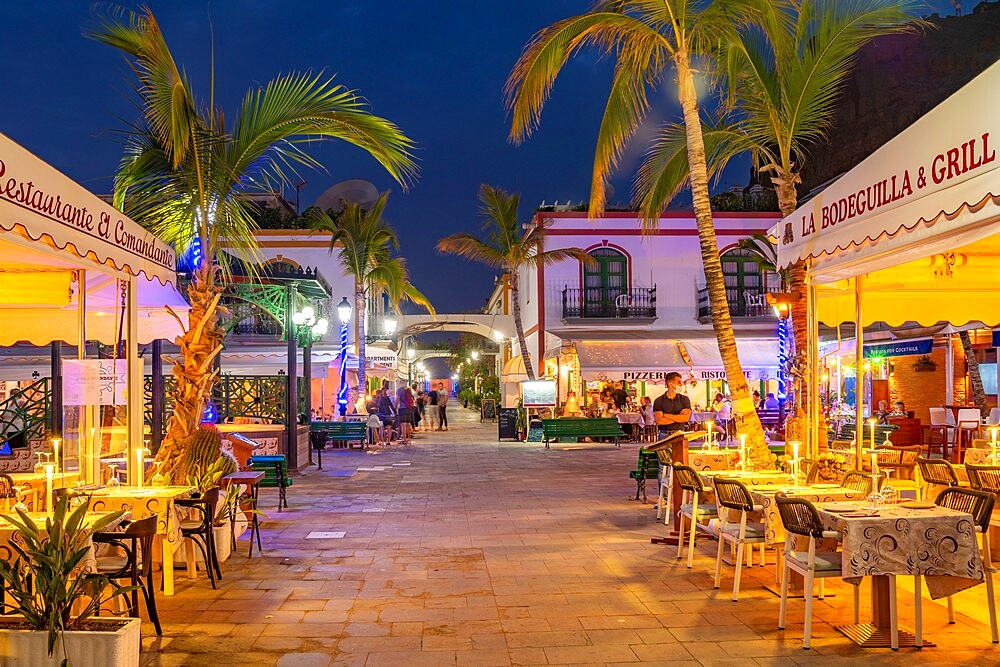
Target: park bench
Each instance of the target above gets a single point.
(581, 427)
(882, 431)
(321, 433)
(275, 471)
(648, 467)
(769, 417)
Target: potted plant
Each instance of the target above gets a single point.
(45, 582)
(924, 364)
(521, 421)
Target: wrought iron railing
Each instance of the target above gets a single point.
(255, 396)
(27, 412)
(635, 303)
(742, 303)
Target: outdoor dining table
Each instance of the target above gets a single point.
(144, 502)
(936, 542)
(748, 477)
(33, 484)
(704, 416)
(10, 536)
(250, 480)
(774, 529)
(713, 459)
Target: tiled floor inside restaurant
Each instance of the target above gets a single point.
(459, 550)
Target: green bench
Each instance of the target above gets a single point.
(275, 471)
(581, 427)
(882, 431)
(321, 433)
(648, 467)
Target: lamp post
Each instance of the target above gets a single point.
(410, 352)
(344, 312)
(309, 329)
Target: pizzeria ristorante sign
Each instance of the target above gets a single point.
(104, 224)
(938, 169)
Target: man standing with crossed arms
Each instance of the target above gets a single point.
(672, 410)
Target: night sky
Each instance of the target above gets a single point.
(436, 68)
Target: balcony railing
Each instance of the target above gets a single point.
(742, 303)
(635, 303)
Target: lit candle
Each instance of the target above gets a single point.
(993, 444)
(55, 452)
(710, 426)
(743, 451)
(795, 459)
(140, 468)
(49, 470)
(874, 464)
(872, 422)
(993, 434)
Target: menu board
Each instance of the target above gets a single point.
(507, 424)
(538, 393)
(488, 410)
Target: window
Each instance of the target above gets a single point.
(604, 282)
(746, 281)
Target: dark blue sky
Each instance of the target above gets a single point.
(435, 67)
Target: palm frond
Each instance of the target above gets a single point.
(468, 246)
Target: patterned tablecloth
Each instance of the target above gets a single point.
(978, 457)
(32, 484)
(707, 459)
(629, 418)
(9, 534)
(158, 500)
(938, 543)
(774, 529)
(749, 477)
(699, 417)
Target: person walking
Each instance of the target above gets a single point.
(386, 411)
(420, 414)
(442, 407)
(405, 405)
(433, 416)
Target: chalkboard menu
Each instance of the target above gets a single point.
(535, 434)
(507, 423)
(488, 410)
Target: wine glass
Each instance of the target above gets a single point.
(874, 501)
(158, 479)
(39, 466)
(889, 494)
(113, 481)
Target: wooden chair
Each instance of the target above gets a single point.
(201, 531)
(943, 425)
(733, 495)
(906, 477)
(693, 510)
(132, 560)
(799, 516)
(8, 491)
(980, 505)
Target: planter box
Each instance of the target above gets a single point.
(28, 648)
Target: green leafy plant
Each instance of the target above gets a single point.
(45, 581)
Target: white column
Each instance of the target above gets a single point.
(135, 413)
(859, 373)
(949, 372)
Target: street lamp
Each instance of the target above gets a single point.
(475, 354)
(410, 352)
(308, 329)
(344, 312)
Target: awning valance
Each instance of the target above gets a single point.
(929, 190)
(40, 204)
(513, 370)
(651, 361)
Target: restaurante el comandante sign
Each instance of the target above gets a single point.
(936, 170)
(105, 223)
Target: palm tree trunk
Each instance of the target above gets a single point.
(744, 411)
(796, 427)
(975, 378)
(193, 371)
(515, 296)
(360, 306)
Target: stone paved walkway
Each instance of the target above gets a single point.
(458, 550)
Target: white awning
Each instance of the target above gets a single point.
(930, 189)
(40, 204)
(513, 370)
(651, 361)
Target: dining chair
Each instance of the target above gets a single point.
(131, 558)
(666, 492)
(984, 478)
(942, 424)
(937, 472)
(906, 477)
(799, 517)
(201, 531)
(692, 510)
(858, 481)
(970, 422)
(980, 505)
(733, 495)
(994, 418)
(811, 469)
(8, 490)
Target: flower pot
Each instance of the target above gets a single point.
(118, 646)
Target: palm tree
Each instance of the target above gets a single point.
(647, 37)
(365, 243)
(785, 67)
(506, 249)
(184, 170)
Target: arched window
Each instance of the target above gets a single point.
(746, 282)
(604, 282)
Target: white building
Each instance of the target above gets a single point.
(642, 311)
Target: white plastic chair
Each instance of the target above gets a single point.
(969, 426)
(994, 418)
(941, 420)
